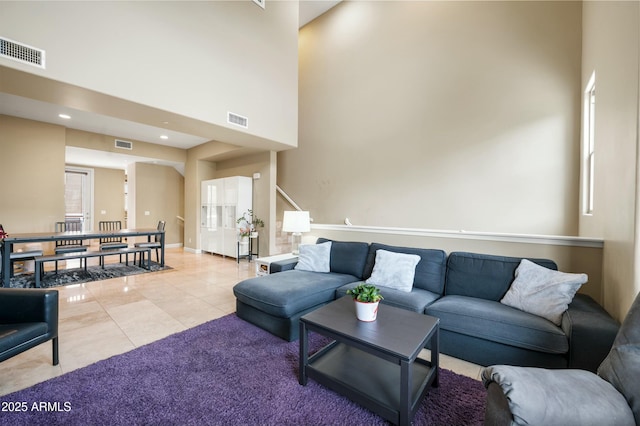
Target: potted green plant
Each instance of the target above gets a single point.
(366, 297)
(249, 224)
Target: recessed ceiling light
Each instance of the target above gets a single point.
(65, 116)
(164, 137)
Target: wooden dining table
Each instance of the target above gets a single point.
(45, 237)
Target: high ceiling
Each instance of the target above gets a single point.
(18, 106)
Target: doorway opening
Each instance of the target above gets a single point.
(78, 196)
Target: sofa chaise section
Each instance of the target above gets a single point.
(276, 302)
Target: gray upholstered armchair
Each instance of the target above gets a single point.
(536, 396)
(28, 317)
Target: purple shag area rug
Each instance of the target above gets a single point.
(224, 372)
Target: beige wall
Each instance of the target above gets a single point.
(610, 47)
(440, 115)
(195, 59)
(32, 172)
(160, 191)
(108, 189)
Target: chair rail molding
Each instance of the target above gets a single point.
(558, 240)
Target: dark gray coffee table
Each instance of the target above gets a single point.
(374, 364)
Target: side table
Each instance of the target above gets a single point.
(263, 264)
(252, 246)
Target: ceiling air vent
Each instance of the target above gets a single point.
(238, 120)
(21, 52)
(124, 144)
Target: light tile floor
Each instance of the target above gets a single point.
(105, 318)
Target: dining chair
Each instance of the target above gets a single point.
(110, 243)
(69, 246)
(155, 243)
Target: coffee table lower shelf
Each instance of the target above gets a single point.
(369, 380)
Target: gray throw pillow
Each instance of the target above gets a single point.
(314, 257)
(394, 270)
(542, 291)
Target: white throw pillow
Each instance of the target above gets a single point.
(394, 270)
(314, 257)
(542, 291)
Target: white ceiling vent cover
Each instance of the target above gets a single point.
(238, 120)
(124, 144)
(21, 52)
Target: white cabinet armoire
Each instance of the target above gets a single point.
(223, 202)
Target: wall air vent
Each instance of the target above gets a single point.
(238, 120)
(21, 52)
(124, 144)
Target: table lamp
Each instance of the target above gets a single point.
(296, 222)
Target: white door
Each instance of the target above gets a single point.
(78, 196)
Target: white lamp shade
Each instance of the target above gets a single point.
(296, 221)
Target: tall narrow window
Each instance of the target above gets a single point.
(588, 142)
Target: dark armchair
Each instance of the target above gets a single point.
(28, 317)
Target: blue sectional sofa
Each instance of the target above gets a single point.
(462, 289)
